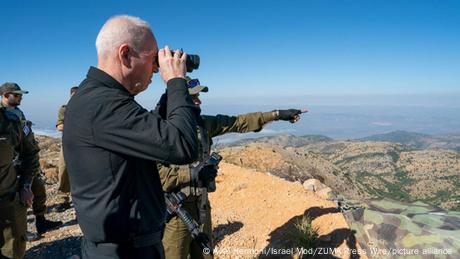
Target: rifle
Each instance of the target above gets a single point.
(174, 206)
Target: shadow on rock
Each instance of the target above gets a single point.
(282, 239)
(58, 207)
(62, 248)
(223, 230)
(330, 243)
(316, 212)
(69, 223)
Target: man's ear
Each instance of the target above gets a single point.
(125, 55)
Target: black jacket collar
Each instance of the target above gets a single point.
(106, 79)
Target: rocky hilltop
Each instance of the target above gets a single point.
(357, 169)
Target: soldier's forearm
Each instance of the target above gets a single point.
(270, 116)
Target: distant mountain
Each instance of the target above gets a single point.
(412, 139)
(284, 140)
(418, 140)
(361, 169)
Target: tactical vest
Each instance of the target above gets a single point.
(204, 149)
(9, 140)
(204, 146)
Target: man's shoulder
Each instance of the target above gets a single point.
(97, 99)
(9, 116)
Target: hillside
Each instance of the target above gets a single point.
(358, 169)
(419, 141)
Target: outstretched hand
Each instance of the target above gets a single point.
(292, 115)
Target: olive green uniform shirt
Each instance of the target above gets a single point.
(175, 178)
(61, 112)
(16, 138)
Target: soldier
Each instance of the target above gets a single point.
(16, 140)
(64, 185)
(11, 99)
(177, 240)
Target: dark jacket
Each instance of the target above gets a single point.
(111, 144)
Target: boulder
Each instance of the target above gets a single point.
(51, 175)
(325, 193)
(313, 185)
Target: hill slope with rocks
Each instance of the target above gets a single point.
(357, 169)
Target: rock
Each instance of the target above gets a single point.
(313, 185)
(51, 175)
(46, 164)
(325, 193)
(43, 164)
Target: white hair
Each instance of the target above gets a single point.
(122, 29)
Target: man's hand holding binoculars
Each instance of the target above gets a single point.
(172, 65)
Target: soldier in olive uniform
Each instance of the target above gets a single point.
(11, 98)
(177, 240)
(64, 185)
(16, 141)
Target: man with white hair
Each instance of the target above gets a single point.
(111, 144)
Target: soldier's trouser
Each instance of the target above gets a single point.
(90, 250)
(13, 226)
(39, 191)
(64, 184)
(177, 240)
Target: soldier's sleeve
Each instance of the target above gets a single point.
(27, 156)
(61, 112)
(250, 122)
(174, 177)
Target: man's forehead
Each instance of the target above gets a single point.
(152, 43)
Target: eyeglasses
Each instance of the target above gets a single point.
(15, 95)
(193, 82)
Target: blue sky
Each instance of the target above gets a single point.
(299, 51)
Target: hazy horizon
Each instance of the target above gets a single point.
(336, 121)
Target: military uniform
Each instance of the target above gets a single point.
(38, 184)
(64, 185)
(177, 240)
(15, 139)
